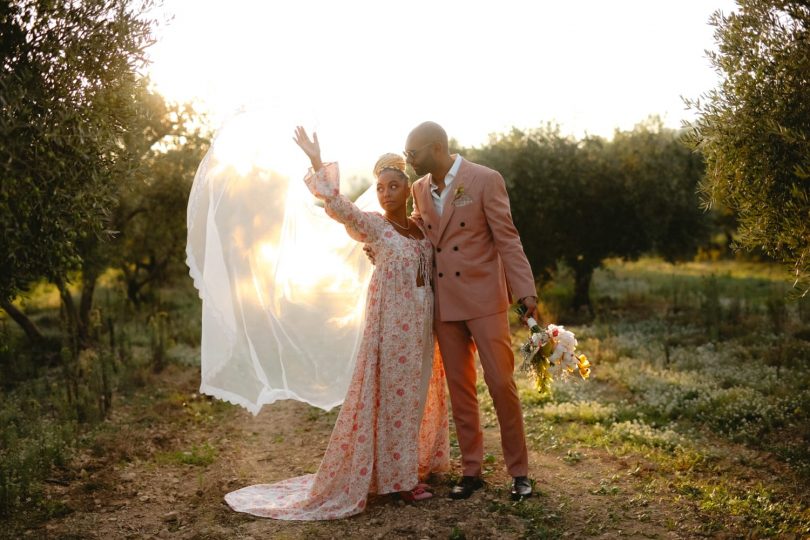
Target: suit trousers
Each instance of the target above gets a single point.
(457, 343)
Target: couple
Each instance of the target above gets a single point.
(460, 248)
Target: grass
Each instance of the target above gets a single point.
(201, 456)
(700, 378)
(49, 406)
(694, 364)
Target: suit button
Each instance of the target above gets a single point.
(429, 227)
(455, 248)
(462, 224)
(441, 275)
(458, 273)
(438, 250)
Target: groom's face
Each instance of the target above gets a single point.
(419, 155)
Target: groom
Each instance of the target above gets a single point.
(478, 261)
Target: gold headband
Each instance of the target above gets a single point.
(394, 162)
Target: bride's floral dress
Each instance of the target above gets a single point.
(392, 428)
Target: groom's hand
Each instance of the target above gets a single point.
(369, 253)
(530, 303)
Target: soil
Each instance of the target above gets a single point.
(161, 464)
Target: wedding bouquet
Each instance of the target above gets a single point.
(551, 349)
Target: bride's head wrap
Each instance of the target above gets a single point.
(393, 162)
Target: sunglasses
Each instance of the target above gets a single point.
(410, 154)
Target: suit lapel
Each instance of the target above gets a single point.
(449, 205)
(448, 209)
(426, 205)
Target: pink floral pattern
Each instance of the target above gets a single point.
(379, 444)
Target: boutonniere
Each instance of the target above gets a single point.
(460, 198)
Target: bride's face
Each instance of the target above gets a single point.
(392, 190)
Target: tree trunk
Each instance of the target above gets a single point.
(582, 288)
(89, 281)
(76, 328)
(28, 326)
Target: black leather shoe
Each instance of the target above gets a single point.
(521, 488)
(466, 486)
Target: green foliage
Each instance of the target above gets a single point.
(67, 82)
(31, 443)
(200, 456)
(581, 202)
(755, 128)
(745, 381)
(150, 212)
(719, 421)
(46, 409)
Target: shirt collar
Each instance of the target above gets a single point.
(450, 176)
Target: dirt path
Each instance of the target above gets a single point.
(161, 465)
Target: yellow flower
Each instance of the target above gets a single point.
(459, 192)
(583, 360)
(584, 366)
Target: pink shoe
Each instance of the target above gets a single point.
(416, 494)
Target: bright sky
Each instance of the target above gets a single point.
(368, 71)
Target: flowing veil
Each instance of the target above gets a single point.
(283, 287)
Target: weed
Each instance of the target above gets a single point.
(200, 456)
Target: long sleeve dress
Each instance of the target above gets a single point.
(392, 429)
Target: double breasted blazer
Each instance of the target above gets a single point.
(479, 263)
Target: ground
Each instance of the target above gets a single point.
(160, 466)
(690, 427)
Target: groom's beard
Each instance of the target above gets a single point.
(423, 168)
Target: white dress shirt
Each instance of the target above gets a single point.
(439, 200)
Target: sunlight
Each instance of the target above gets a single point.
(541, 62)
(259, 138)
(321, 270)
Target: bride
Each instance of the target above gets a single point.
(392, 429)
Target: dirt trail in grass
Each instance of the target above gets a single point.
(161, 465)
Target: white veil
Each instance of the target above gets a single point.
(283, 287)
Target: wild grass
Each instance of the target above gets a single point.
(51, 403)
(700, 370)
(689, 362)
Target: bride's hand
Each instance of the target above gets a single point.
(310, 147)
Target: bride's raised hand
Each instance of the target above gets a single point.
(311, 148)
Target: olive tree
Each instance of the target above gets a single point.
(754, 129)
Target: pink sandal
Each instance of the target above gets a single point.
(419, 493)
